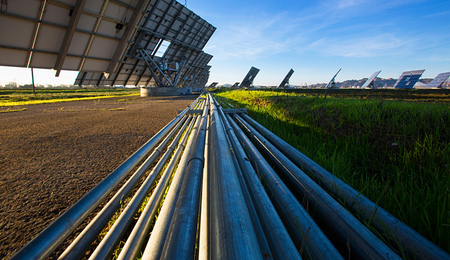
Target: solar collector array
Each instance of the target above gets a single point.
(33, 33)
(439, 80)
(165, 21)
(101, 36)
(408, 79)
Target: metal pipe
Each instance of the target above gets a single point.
(232, 234)
(181, 237)
(50, 238)
(259, 231)
(363, 242)
(257, 226)
(109, 242)
(205, 218)
(136, 238)
(155, 244)
(281, 244)
(303, 230)
(238, 216)
(91, 231)
(417, 246)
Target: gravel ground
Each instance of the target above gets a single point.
(52, 154)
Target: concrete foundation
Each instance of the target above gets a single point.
(156, 92)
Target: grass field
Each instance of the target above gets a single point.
(20, 97)
(396, 152)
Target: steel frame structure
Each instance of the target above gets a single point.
(248, 80)
(369, 82)
(439, 80)
(104, 39)
(187, 33)
(408, 79)
(332, 82)
(67, 35)
(285, 81)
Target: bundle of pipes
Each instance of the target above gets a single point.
(225, 200)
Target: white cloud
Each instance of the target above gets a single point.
(260, 34)
(377, 45)
(249, 37)
(338, 9)
(349, 29)
(345, 4)
(434, 15)
(435, 58)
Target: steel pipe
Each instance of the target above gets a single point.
(259, 232)
(52, 236)
(257, 226)
(90, 232)
(280, 243)
(109, 242)
(204, 249)
(136, 238)
(232, 234)
(416, 245)
(156, 242)
(225, 199)
(303, 230)
(363, 242)
(181, 237)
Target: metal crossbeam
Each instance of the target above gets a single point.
(226, 111)
(162, 72)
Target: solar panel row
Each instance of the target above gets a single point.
(104, 37)
(332, 81)
(68, 35)
(370, 80)
(181, 63)
(248, 80)
(408, 79)
(439, 80)
(286, 79)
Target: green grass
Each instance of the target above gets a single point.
(10, 97)
(396, 152)
(9, 109)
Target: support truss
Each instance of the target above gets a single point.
(163, 74)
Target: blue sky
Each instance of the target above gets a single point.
(316, 38)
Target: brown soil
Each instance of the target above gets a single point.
(52, 154)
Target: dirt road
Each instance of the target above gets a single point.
(52, 154)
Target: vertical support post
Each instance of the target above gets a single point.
(32, 81)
